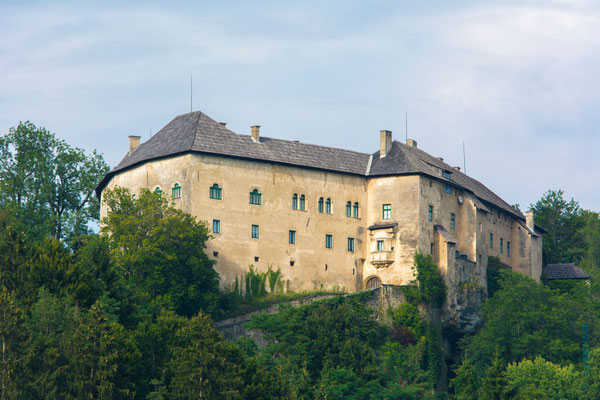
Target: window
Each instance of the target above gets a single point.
(215, 192)
(350, 244)
(295, 201)
(431, 213)
(452, 221)
(501, 245)
(321, 205)
(380, 245)
(491, 240)
(356, 210)
(386, 211)
(431, 248)
(157, 190)
(255, 197)
(448, 189)
(255, 231)
(176, 192)
(216, 226)
(133, 197)
(328, 206)
(329, 241)
(349, 209)
(507, 249)
(446, 174)
(292, 237)
(302, 201)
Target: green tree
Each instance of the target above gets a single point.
(48, 184)
(161, 251)
(562, 220)
(431, 282)
(13, 341)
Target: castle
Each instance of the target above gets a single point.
(327, 217)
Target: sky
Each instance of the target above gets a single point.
(516, 81)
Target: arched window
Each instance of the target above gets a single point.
(328, 206)
(176, 192)
(216, 192)
(302, 202)
(321, 205)
(158, 190)
(295, 201)
(349, 209)
(255, 197)
(356, 210)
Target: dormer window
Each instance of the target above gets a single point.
(446, 174)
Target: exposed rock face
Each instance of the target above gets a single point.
(466, 291)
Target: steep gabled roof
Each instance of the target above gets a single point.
(196, 132)
(563, 271)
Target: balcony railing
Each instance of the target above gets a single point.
(382, 258)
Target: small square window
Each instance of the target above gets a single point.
(215, 254)
(446, 174)
(216, 226)
(292, 263)
(448, 189)
(255, 231)
(292, 237)
(328, 241)
(350, 244)
(256, 259)
(380, 245)
(386, 211)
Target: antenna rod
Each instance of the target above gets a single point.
(406, 128)
(464, 158)
(191, 94)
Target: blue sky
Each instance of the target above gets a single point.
(517, 81)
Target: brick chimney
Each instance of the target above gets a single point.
(411, 142)
(255, 133)
(134, 141)
(385, 143)
(529, 220)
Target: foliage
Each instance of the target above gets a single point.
(493, 275)
(161, 251)
(48, 184)
(431, 282)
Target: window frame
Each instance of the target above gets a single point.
(255, 231)
(158, 190)
(447, 188)
(321, 204)
(501, 245)
(255, 197)
(328, 241)
(348, 209)
(445, 174)
(380, 245)
(386, 211)
(452, 221)
(355, 209)
(216, 224)
(491, 240)
(295, 201)
(176, 191)
(351, 247)
(302, 202)
(328, 206)
(508, 248)
(292, 236)
(216, 192)
(430, 213)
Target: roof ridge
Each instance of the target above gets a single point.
(306, 144)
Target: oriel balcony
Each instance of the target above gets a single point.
(382, 258)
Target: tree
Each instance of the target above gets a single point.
(161, 251)
(562, 220)
(48, 184)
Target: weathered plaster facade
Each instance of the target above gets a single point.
(419, 217)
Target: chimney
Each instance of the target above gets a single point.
(223, 123)
(411, 142)
(134, 141)
(385, 143)
(529, 220)
(255, 133)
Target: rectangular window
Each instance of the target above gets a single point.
(350, 244)
(501, 245)
(215, 192)
(292, 237)
(255, 231)
(329, 241)
(448, 189)
(431, 248)
(431, 213)
(386, 211)
(452, 221)
(491, 240)
(176, 191)
(446, 174)
(255, 197)
(216, 226)
(507, 249)
(380, 245)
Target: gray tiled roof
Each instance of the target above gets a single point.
(196, 132)
(563, 271)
